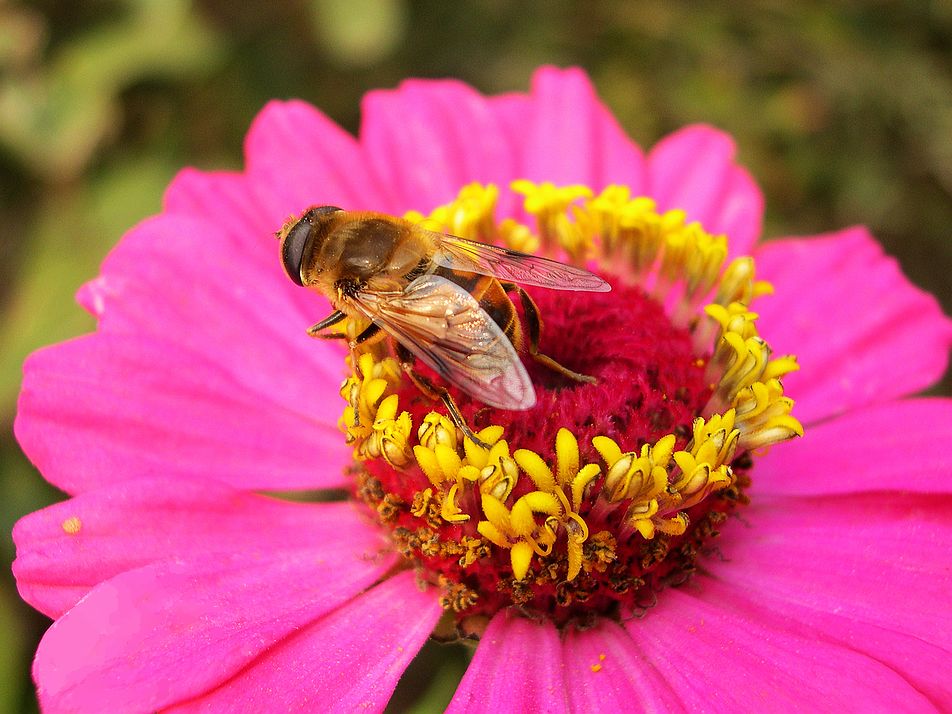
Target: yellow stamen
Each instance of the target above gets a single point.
(437, 429)
(450, 511)
(550, 204)
(536, 468)
(566, 455)
(737, 284)
(469, 215)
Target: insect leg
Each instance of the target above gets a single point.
(534, 325)
(369, 333)
(372, 330)
(432, 391)
(329, 321)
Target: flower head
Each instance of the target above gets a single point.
(627, 541)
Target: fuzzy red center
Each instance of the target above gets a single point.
(649, 383)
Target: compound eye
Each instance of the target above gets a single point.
(292, 250)
(297, 240)
(321, 211)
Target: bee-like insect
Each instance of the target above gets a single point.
(442, 299)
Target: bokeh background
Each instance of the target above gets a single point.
(843, 112)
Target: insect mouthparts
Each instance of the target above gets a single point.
(347, 287)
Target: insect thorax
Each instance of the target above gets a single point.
(369, 247)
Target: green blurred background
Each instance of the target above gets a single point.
(843, 113)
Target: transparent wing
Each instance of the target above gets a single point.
(473, 257)
(444, 326)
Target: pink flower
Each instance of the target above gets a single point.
(174, 582)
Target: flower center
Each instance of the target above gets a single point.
(603, 493)
(621, 338)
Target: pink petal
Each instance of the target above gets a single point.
(66, 549)
(227, 254)
(878, 559)
(168, 632)
(297, 157)
(511, 111)
(226, 201)
(727, 654)
(606, 672)
(861, 332)
(108, 408)
(230, 230)
(900, 446)
(348, 661)
(569, 136)
(693, 169)
(920, 663)
(428, 139)
(187, 282)
(517, 668)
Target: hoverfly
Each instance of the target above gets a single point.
(442, 299)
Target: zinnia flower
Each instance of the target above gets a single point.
(622, 545)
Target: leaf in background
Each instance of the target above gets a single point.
(55, 117)
(11, 649)
(74, 231)
(21, 491)
(431, 679)
(359, 33)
